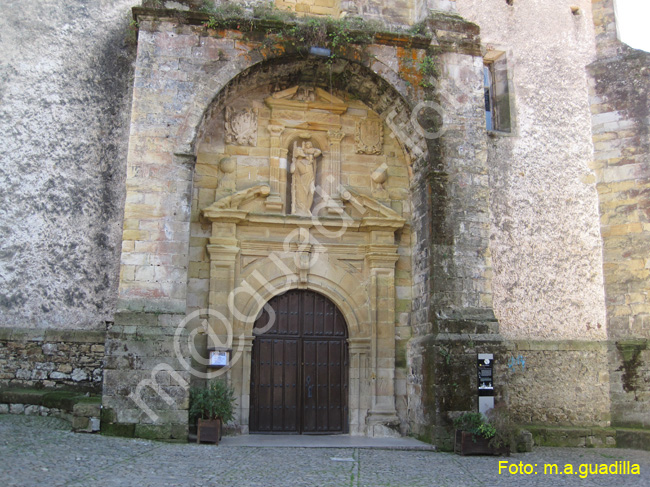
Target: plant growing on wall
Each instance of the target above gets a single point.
(306, 31)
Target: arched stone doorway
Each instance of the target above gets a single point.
(207, 224)
(299, 366)
(352, 245)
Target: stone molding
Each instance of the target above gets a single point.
(264, 268)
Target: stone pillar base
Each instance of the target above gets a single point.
(383, 424)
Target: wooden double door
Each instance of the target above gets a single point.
(299, 373)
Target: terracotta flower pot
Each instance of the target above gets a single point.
(208, 431)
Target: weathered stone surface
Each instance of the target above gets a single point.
(544, 242)
(65, 96)
(16, 408)
(637, 439)
(532, 372)
(573, 437)
(620, 105)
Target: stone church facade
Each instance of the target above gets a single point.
(344, 228)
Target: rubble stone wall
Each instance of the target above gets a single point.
(51, 359)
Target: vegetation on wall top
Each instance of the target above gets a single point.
(287, 26)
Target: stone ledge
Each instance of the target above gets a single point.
(637, 439)
(38, 335)
(262, 25)
(558, 345)
(568, 436)
(81, 411)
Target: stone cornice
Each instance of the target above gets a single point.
(261, 25)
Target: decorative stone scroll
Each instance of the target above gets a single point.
(367, 205)
(369, 136)
(241, 126)
(234, 201)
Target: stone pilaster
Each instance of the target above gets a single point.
(381, 259)
(333, 174)
(360, 391)
(277, 165)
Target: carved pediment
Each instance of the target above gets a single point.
(228, 206)
(306, 98)
(368, 206)
(373, 213)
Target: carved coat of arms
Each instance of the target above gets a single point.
(241, 126)
(369, 136)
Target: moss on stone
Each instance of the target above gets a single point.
(22, 396)
(118, 429)
(631, 354)
(153, 431)
(60, 400)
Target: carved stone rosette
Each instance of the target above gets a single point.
(241, 126)
(369, 136)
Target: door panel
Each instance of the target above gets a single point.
(299, 367)
(310, 390)
(291, 368)
(263, 381)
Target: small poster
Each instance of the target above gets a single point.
(218, 358)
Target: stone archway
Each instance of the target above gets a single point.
(185, 247)
(255, 256)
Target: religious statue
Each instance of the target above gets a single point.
(303, 170)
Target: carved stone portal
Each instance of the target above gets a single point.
(369, 136)
(241, 126)
(303, 170)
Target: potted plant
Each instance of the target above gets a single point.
(211, 406)
(477, 434)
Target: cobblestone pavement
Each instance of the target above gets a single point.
(37, 451)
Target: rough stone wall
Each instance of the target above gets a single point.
(533, 372)
(311, 7)
(65, 91)
(545, 242)
(401, 12)
(629, 362)
(51, 358)
(620, 106)
(604, 20)
(453, 234)
(140, 349)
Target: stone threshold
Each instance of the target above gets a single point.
(325, 441)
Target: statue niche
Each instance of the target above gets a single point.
(303, 177)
